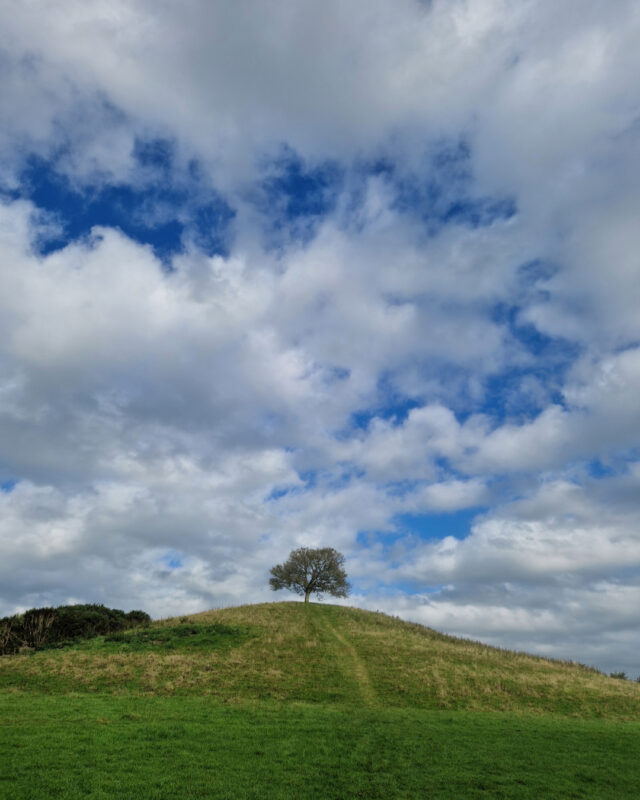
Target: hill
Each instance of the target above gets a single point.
(321, 654)
(280, 701)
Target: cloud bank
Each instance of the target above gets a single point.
(362, 276)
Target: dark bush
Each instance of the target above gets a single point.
(137, 618)
(85, 621)
(49, 627)
(36, 625)
(10, 634)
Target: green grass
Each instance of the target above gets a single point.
(145, 747)
(282, 701)
(202, 637)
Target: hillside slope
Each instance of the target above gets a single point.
(322, 654)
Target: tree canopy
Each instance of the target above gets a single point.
(311, 571)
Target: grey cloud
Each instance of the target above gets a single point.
(206, 411)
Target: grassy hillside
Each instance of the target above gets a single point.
(321, 654)
(284, 701)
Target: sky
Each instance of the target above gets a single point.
(358, 275)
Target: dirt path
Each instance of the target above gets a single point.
(352, 664)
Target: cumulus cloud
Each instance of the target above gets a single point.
(554, 572)
(425, 307)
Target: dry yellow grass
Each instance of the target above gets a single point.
(336, 655)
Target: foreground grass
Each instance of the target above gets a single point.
(97, 746)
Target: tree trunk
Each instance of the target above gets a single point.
(306, 596)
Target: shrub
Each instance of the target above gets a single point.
(10, 634)
(49, 627)
(621, 675)
(137, 618)
(36, 625)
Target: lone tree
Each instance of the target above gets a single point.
(308, 571)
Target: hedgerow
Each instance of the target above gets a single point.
(39, 628)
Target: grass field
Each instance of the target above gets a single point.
(283, 701)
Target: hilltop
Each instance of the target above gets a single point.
(320, 654)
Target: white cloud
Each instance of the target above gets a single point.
(207, 410)
(451, 495)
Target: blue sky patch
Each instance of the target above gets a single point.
(159, 212)
(396, 410)
(294, 197)
(443, 191)
(437, 526)
(597, 469)
(391, 405)
(428, 527)
(278, 492)
(521, 392)
(172, 559)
